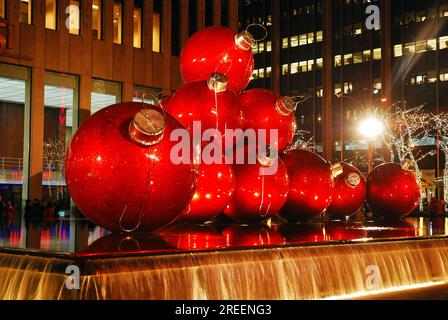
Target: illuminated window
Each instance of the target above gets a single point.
(432, 76)
(156, 30)
(104, 94)
(338, 60)
(377, 54)
(420, 46)
(398, 50)
(137, 25)
(377, 85)
(295, 41)
(261, 73)
(255, 49)
(348, 59)
(409, 48)
(367, 55)
(320, 93)
(420, 79)
(310, 37)
(319, 36)
(261, 47)
(25, 11)
(319, 63)
(74, 17)
(255, 74)
(268, 72)
(444, 75)
(118, 22)
(285, 43)
(285, 69)
(302, 39)
(303, 66)
(337, 89)
(2, 9)
(294, 68)
(357, 57)
(443, 42)
(310, 65)
(50, 14)
(269, 46)
(432, 44)
(348, 88)
(97, 15)
(420, 16)
(358, 29)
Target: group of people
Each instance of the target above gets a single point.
(34, 210)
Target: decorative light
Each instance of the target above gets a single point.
(371, 127)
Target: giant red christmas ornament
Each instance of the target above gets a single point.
(208, 104)
(349, 192)
(265, 110)
(119, 172)
(312, 185)
(218, 49)
(261, 188)
(213, 192)
(392, 192)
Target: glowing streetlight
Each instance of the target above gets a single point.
(371, 128)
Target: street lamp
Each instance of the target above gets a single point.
(371, 128)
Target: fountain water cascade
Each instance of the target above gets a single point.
(304, 272)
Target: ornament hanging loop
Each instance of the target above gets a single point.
(254, 25)
(125, 230)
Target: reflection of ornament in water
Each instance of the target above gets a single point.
(252, 236)
(302, 233)
(193, 237)
(117, 181)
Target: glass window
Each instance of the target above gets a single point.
(269, 46)
(60, 123)
(398, 50)
(97, 16)
(348, 59)
(444, 75)
(26, 11)
(285, 43)
(310, 65)
(137, 26)
(146, 94)
(303, 66)
(295, 41)
(367, 55)
(294, 68)
(420, 46)
(74, 17)
(310, 37)
(2, 8)
(377, 54)
(255, 74)
(261, 47)
(268, 72)
(338, 60)
(409, 48)
(432, 76)
(357, 57)
(104, 94)
(118, 22)
(14, 107)
(348, 88)
(156, 32)
(261, 73)
(443, 42)
(358, 29)
(302, 39)
(50, 14)
(319, 63)
(285, 69)
(319, 36)
(432, 44)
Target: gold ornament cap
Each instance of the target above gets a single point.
(147, 127)
(336, 170)
(244, 40)
(285, 106)
(218, 82)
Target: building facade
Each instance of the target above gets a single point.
(401, 59)
(63, 60)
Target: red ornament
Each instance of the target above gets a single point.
(258, 196)
(119, 172)
(349, 192)
(213, 193)
(312, 185)
(218, 49)
(208, 102)
(392, 192)
(264, 109)
(252, 236)
(194, 237)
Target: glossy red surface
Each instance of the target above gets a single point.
(213, 193)
(392, 192)
(312, 185)
(392, 229)
(343, 231)
(194, 237)
(257, 197)
(109, 176)
(252, 236)
(197, 102)
(259, 112)
(302, 233)
(348, 198)
(212, 50)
